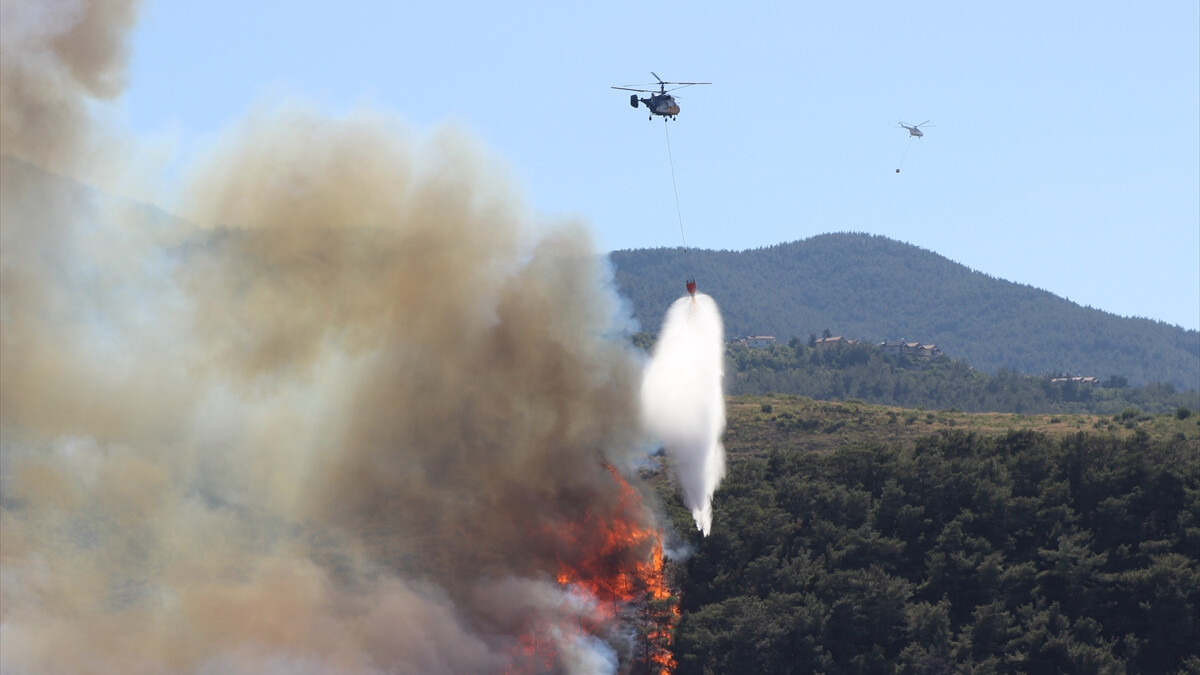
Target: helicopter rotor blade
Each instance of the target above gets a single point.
(661, 84)
(662, 81)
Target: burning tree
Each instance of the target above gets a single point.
(611, 565)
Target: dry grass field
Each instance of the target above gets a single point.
(758, 424)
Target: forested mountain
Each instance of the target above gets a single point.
(873, 288)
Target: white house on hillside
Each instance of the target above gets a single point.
(757, 341)
(760, 341)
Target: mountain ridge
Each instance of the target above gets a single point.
(870, 287)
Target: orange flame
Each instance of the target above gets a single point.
(616, 563)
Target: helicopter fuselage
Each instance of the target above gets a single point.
(662, 104)
(913, 131)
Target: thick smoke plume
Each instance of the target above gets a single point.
(58, 57)
(335, 420)
(683, 402)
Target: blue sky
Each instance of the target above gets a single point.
(1066, 151)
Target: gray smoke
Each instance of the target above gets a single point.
(332, 420)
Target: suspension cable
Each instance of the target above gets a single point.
(906, 149)
(678, 211)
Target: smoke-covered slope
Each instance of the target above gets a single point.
(241, 442)
(873, 288)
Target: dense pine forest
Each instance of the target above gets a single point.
(942, 548)
(873, 289)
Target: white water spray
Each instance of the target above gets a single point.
(683, 403)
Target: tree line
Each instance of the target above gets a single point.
(862, 371)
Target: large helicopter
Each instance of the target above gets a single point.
(915, 130)
(660, 102)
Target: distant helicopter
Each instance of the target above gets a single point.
(913, 132)
(660, 102)
(916, 129)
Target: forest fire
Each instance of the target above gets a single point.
(612, 565)
(249, 379)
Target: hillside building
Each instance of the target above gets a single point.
(833, 341)
(1078, 379)
(756, 341)
(914, 349)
